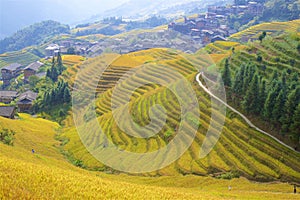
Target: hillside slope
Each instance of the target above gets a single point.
(272, 28)
(32, 35)
(240, 148)
(47, 175)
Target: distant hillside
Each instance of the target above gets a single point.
(33, 35)
(274, 10)
(272, 28)
(136, 9)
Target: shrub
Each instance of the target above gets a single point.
(229, 175)
(7, 137)
(259, 58)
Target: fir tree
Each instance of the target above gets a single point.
(291, 103)
(262, 94)
(271, 100)
(226, 74)
(238, 80)
(295, 126)
(67, 95)
(278, 107)
(251, 99)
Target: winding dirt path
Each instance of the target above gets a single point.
(237, 112)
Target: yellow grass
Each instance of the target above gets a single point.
(269, 27)
(47, 175)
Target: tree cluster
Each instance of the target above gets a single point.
(7, 136)
(56, 69)
(59, 94)
(276, 100)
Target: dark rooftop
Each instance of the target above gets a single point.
(8, 94)
(28, 95)
(7, 111)
(12, 67)
(35, 66)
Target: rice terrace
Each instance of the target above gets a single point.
(153, 99)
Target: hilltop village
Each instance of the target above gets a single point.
(213, 25)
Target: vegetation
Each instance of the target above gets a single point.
(274, 10)
(265, 83)
(47, 174)
(271, 28)
(7, 136)
(239, 149)
(22, 57)
(32, 35)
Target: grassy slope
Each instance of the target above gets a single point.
(272, 28)
(47, 175)
(22, 57)
(240, 148)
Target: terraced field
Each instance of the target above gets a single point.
(277, 54)
(239, 149)
(47, 174)
(272, 28)
(21, 57)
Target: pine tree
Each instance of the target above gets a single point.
(278, 107)
(60, 67)
(248, 76)
(295, 126)
(48, 73)
(291, 103)
(238, 81)
(54, 73)
(59, 59)
(262, 94)
(226, 74)
(53, 60)
(67, 95)
(251, 99)
(271, 100)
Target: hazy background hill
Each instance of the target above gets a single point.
(17, 14)
(141, 9)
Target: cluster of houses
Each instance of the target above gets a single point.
(126, 44)
(211, 26)
(24, 102)
(12, 71)
(65, 46)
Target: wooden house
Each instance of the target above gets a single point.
(26, 100)
(8, 111)
(31, 70)
(10, 72)
(8, 96)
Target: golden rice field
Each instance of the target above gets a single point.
(240, 148)
(47, 175)
(270, 27)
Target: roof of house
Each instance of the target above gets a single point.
(7, 111)
(28, 95)
(34, 66)
(12, 94)
(219, 37)
(12, 67)
(52, 47)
